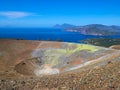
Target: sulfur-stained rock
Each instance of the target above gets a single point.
(59, 66)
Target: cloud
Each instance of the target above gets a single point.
(16, 14)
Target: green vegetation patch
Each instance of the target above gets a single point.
(106, 42)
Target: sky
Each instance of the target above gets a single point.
(46, 13)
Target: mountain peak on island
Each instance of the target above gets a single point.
(64, 26)
(92, 29)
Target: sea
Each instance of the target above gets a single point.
(46, 34)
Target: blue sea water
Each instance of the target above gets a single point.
(52, 34)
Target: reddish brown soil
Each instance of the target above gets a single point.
(115, 47)
(14, 52)
(105, 77)
(99, 78)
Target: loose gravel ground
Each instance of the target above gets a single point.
(105, 77)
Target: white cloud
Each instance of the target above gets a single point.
(16, 14)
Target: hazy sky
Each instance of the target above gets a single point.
(37, 13)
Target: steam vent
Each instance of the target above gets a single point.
(43, 65)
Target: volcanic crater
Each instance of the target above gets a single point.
(44, 60)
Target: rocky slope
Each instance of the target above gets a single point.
(39, 65)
